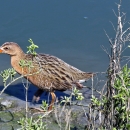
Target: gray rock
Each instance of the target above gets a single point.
(7, 103)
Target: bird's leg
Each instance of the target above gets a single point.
(52, 101)
(37, 95)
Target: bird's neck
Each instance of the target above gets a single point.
(15, 60)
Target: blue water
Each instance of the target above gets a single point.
(72, 30)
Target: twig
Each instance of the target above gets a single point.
(15, 80)
(92, 89)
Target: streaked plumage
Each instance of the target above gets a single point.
(54, 73)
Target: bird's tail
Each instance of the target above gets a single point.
(83, 78)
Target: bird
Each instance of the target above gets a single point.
(48, 72)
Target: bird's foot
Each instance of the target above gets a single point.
(35, 110)
(37, 95)
(35, 99)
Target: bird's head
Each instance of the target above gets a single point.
(11, 49)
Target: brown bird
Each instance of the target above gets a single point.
(48, 72)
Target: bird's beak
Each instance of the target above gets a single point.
(1, 50)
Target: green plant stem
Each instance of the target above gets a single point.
(16, 80)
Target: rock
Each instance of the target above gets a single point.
(7, 103)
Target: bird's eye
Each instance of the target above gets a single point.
(6, 48)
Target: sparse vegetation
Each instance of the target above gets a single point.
(111, 110)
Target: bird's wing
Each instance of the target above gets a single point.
(60, 69)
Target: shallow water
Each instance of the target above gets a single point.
(71, 30)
